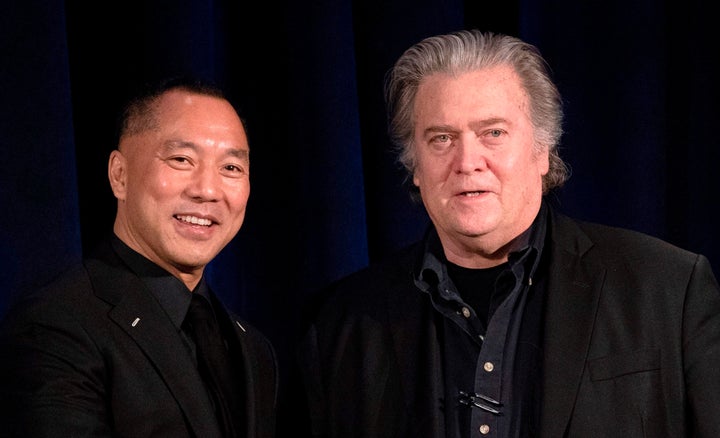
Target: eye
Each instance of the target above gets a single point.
(495, 133)
(441, 142)
(179, 161)
(234, 170)
(494, 137)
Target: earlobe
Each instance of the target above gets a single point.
(542, 158)
(117, 174)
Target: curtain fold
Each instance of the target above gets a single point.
(40, 235)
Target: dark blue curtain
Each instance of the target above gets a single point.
(639, 78)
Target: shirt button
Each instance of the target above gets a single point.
(466, 312)
(488, 366)
(484, 429)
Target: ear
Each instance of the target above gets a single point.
(542, 158)
(117, 174)
(545, 162)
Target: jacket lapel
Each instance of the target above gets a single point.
(417, 350)
(259, 377)
(138, 314)
(248, 377)
(573, 292)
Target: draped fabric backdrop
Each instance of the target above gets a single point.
(639, 79)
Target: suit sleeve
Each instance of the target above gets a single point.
(52, 377)
(312, 385)
(701, 341)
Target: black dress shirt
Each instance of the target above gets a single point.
(174, 297)
(490, 333)
(172, 294)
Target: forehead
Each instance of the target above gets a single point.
(181, 117)
(180, 104)
(493, 89)
(182, 111)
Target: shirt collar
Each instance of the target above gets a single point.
(171, 293)
(432, 270)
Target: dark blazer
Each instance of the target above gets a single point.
(96, 355)
(631, 344)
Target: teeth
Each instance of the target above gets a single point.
(471, 193)
(195, 220)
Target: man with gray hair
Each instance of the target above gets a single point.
(508, 319)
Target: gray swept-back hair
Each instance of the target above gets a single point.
(470, 50)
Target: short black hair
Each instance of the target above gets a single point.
(136, 114)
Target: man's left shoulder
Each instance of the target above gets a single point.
(620, 240)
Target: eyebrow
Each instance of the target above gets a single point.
(475, 125)
(479, 124)
(438, 128)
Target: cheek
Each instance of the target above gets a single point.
(238, 197)
(431, 171)
(161, 188)
(425, 181)
(525, 168)
(152, 180)
(420, 173)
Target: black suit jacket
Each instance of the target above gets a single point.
(96, 355)
(631, 344)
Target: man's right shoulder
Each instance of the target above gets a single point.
(60, 296)
(396, 268)
(71, 279)
(370, 289)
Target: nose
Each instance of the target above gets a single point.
(470, 154)
(205, 184)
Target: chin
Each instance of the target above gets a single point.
(476, 228)
(193, 261)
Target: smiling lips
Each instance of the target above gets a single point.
(194, 220)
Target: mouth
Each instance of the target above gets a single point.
(194, 220)
(472, 194)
